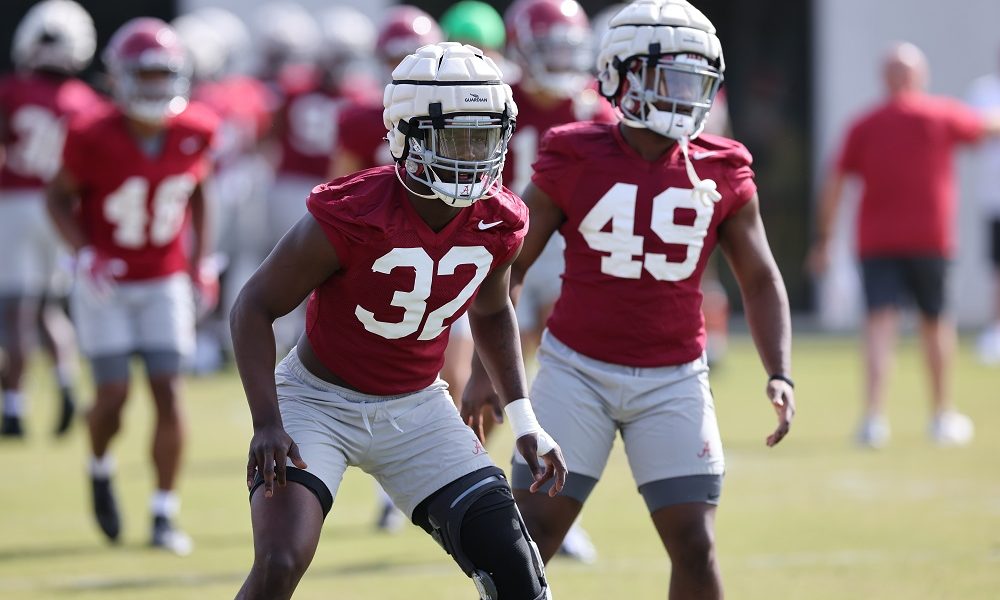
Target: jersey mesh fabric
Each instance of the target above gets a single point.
(646, 320)
(368, 218)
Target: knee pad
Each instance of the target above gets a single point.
(476, 521)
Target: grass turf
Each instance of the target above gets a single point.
(813, 518)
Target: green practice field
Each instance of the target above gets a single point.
(814, 518)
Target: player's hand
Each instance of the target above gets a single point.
(782, 398)
(269, 448)
(818, 260)
(98, 272)
(555, 465)
(206, 287)
(478, 395)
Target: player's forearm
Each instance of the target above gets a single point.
(253, 346)
(766, 304)
(499, 349)
(201, 223)
(826, 212)
(61, 211)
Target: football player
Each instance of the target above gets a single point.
(361, 144)
(389, 257)
(53, 42)
(641, 204)
(550, 40)
(131, 187)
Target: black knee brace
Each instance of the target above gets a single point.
(476, 521)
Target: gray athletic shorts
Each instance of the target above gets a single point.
(665, 415)
(542, 284)
(138, 316)
(32, 255)
(413, 444)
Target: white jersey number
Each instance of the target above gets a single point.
(40, 138)
(414, 302)
(623, 246)
(312, 123)
(135, 225)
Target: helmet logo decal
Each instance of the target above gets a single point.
(474, 97)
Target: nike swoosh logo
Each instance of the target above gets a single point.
(484, 226)
(705, 154)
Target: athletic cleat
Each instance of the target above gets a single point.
(168, 537)
(951, 428)
(66, 413)
(577, 545)
(10, 427)
(105, 507)
(874, 432)
(390, 518)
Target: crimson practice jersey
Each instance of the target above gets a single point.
(361, 131)
(134, 201)
(636, 241)
(381, 322)
(35, 110)
(308, 126)
(535, 119)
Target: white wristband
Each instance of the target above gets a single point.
(523, 422)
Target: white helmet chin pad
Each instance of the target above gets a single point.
(449, 117)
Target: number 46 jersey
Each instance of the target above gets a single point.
(637, 241)
(381, 322)
(134, 200)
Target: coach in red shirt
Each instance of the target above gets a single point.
(902, 151)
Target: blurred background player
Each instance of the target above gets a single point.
(984, 96)
(306, 127)
(219, 45)
(552, 44)
(902, 150)
(361, 144)
(54, 42)
(640, 224)
(130, 189)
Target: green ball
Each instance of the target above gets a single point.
(476, 23)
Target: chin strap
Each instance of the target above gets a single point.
(704, 189)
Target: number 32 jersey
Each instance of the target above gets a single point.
(134, 204)
(381, 322)
(637, 241)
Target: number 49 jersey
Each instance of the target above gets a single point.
(637, 241)
(134, 201)
(381, 322)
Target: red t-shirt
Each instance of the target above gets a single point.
(636, 241)
(133, 205)
(361, 131)
(381, 322)
(903, 151)
(36, 110)
(533, 122)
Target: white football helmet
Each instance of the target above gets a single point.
(661, 64)
(449, 116)
(56, 35)
(216, 40)
(348, 37)
(283, 33)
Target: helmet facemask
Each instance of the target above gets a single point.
(459, 157)
(152, 94)
(668, 94)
